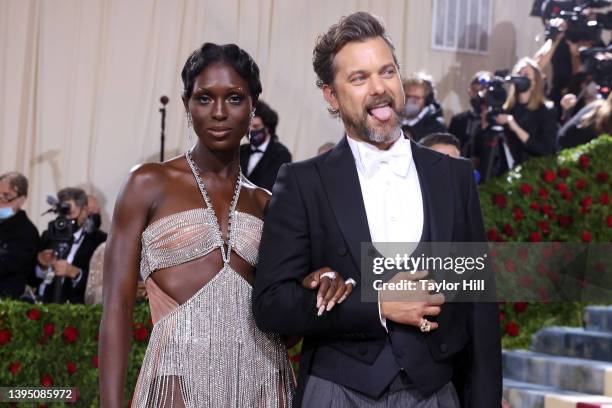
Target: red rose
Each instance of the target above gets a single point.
(534, 206)
(510, 265)
(14, 367)
(553, 276)
(580, 184)
(520, 307)
(48, 329)
(564, 221)
(564, 172)
(549, 176)
(523, 253)
(544, 227)
(71, 367)
(543, 269)
(33, 314)
(508, 230)
(499, 200)
(609, 220)
(94, 361)
(585, 236)
(512, 329)
(502, 316)
(150, 323)
(547, 209)
(5, 336)
(141, 334)
(518, 214)
(543, 193)
(561, 187)
(492, 234)
(46, 380)
(586, 202)
(535, 237)
(526, 281)
(70, 334)
(602, 177)
(604, 198)
(584, 161)
(526, 189)
(567, 195)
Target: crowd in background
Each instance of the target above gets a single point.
(512, 117)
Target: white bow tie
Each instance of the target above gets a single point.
(397, 158)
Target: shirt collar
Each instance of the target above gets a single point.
(368, 157)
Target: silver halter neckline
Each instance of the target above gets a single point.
(225, 255)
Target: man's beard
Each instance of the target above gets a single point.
(385, 133)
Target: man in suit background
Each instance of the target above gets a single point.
(374, 186)
(70, 273)
(261, 158)
(18, 236)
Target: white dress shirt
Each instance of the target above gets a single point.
(391, 192)
(256, 156)
(78, 236)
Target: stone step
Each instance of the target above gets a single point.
(598, 318)
(573, 342)
(524, 395)
(566, 373)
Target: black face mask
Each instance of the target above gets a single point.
(257, 137)
(96, 219)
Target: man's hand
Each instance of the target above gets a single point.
(46, 258)
(63, 268)
(410, 306)
(331, 291)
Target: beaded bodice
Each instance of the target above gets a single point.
(188, 235)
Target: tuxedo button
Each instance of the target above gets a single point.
(362, 349)
(341, 251)
(443, 347)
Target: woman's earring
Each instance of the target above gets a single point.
(189, 128)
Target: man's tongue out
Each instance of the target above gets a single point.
(382, 113)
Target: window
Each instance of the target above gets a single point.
(461, 25)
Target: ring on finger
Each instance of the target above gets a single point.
(350, 281)
(425, 325)
(330, 274)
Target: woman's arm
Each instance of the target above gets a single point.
(121, 267)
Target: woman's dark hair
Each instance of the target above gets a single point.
(230, 54)
(359, 26)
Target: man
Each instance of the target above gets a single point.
(465, 125)
(94, 210)
(261, 158)
(18, 236)
(374, 186)
(444, 143)
(422, 114)
(69, 274)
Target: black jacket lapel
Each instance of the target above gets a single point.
(341, 182)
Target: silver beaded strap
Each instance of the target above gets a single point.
(225, 255)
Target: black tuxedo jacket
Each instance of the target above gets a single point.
(317, 218)
(265, 171)
(70, 293)
(19, 243)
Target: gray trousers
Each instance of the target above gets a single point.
(320, 393)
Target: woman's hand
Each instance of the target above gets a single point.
(504, 119)
(333, 289)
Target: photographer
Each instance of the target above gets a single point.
(422, 114)
(18, 236)
(62, 274)
(529, 119)
(591, 121)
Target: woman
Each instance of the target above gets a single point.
(530, 121)
(191, 227)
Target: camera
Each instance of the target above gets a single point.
(579, 26)
(494, 94)
(597, 63)
(61, 229)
